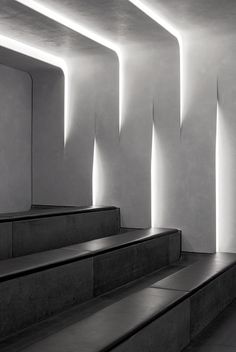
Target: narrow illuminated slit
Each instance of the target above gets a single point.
(121, 88)
(182, 79)
(66, 104)
(217, 180)
(154, 178)
(95, 176)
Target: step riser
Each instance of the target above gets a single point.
(174, 331)
(114, 269)
(34, 297)
(168, 333)
(211, 300)
(24, 237)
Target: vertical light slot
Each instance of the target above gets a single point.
(66, 104)
(121, 90)
(182, 79)
(154, 178)
(218, 169)
(95, 176)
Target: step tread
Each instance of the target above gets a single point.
(28, 264)
(49, 211)
(19, 266)
(117, 241)
(193, 277)
(124, 314)
(110, 326)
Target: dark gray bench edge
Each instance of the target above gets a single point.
(52, 212)
(80, 256)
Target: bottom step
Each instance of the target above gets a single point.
(162, 317)
(37, 286)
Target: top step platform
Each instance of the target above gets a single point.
(42, 211)
(50, 227)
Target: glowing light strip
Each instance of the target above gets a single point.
(38, 54)
(217, 173)
(67, 22)
(95, 176)
(172, 30)
(121, 90)
(28, 50)
(154, 179)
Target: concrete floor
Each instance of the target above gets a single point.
(219, 336)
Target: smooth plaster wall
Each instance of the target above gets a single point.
(151, 75)
(226, 145)
(63, 172)
(198, 139)
(15, 139)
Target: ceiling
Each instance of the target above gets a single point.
(217, 17)
(122, 22)
(118, 21)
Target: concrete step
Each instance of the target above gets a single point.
(47, 227)
(36, 286)
(163, 316)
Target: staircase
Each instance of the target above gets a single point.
(120, 290)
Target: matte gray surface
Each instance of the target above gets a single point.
(29, 299)
(18, 267)
(117, 268)
(174, 251)
(194, 276)
(168, 333)
(63, 329)
(5, 240)
(208, 302)
(15, 139)
(111, 324)
(36, 235)
(205, 306)
(127, 237)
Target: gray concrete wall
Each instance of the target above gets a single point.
(63, 169)
(226, 146)
(151, 100)
(15, 139)
(198, 137)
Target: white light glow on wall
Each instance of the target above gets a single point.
(154, 178)
(95, 176)
(41, 55)
(223, 181)
(87, 32)
(162, 21)
(121, 90)
(217, 167)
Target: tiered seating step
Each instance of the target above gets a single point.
(155, 318)
(46, 227)
(39, 285)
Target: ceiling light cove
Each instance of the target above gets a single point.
(65, 21)
(41, 55)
